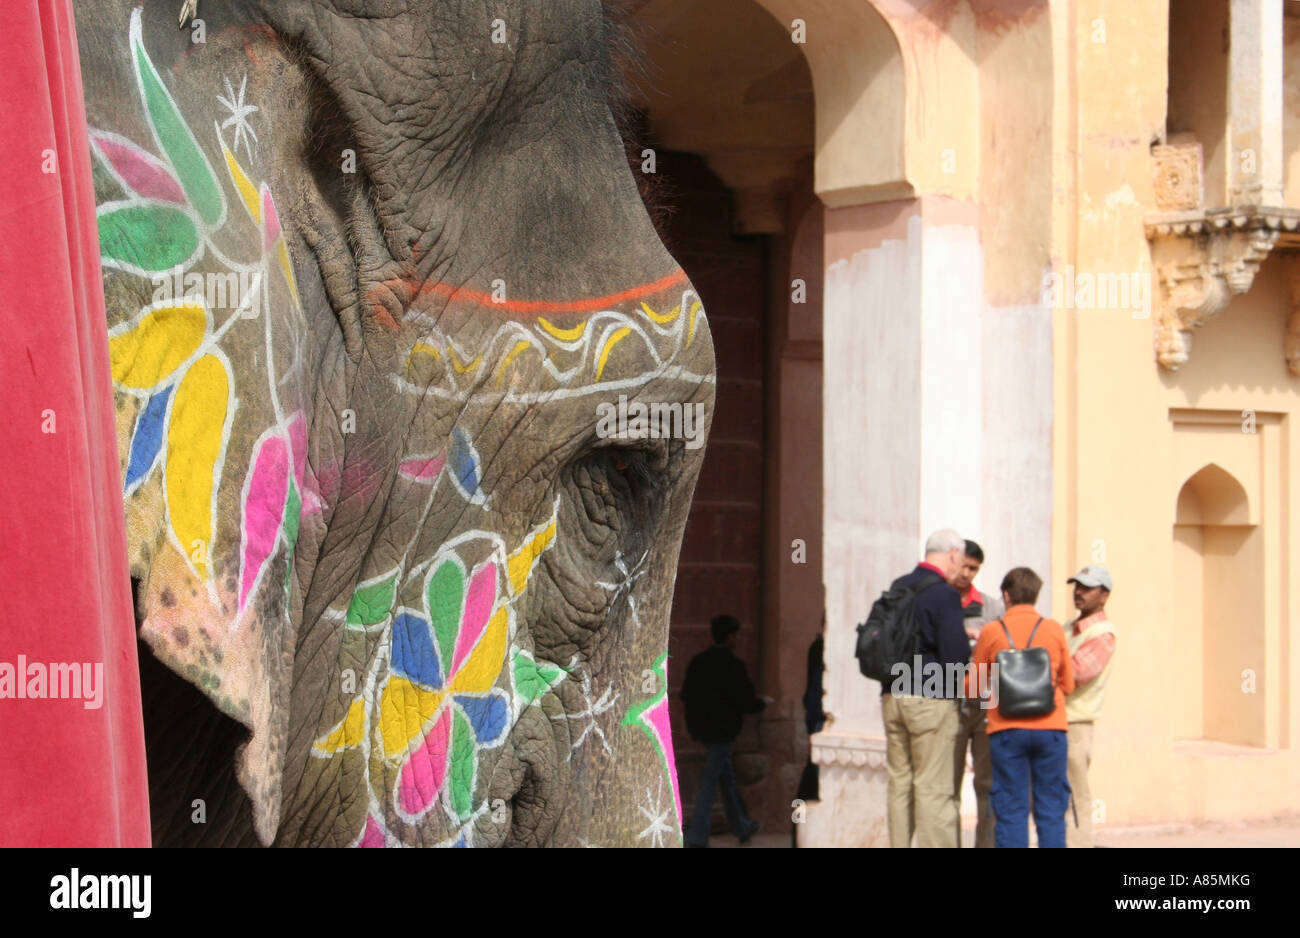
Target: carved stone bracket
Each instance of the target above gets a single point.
(1202, 258)
(850, 751)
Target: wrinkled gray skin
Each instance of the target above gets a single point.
(475, 162)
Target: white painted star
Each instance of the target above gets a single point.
(239, 113)
(629, 576)
(625, 584)
(592, 709)
(659, 825)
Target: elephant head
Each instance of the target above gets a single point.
(381, 293)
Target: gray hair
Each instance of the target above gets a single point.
(943, 541)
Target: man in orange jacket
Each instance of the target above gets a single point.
(1028, 748)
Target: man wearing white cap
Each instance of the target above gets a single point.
(1092, 648)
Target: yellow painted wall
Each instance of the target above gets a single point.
(1197, 608)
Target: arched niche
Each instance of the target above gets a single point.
(1219, 609)
(1213, 496)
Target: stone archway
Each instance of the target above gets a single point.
(726, 104)
(858, 76)
(930, 184)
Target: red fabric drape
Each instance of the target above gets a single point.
(70, 775)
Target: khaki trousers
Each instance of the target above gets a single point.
(921, 734)
(1080, 757)
(972, 729)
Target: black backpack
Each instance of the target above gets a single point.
(889, 636)
(1025, 678)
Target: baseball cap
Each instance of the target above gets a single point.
(1093, 575)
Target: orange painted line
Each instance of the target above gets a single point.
(551, 306)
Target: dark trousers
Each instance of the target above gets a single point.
(1019, 757)
(717, 771)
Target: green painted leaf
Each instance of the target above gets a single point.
(292, 512)
(462, 766)
(149, 236)
(372, 603)
(177, 141)
(446, 595)
(533, 679)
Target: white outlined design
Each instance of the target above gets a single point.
(383, 768)
(588, 353)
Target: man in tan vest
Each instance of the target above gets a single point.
(1092, 648)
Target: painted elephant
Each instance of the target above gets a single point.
(374, 270)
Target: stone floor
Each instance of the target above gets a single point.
(1273, 832)
(760, 840)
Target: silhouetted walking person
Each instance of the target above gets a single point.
(814, 715)
(718, 693)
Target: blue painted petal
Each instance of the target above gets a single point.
(460, 842)
(414, 657)
(487, 715)
(464, 461)
(146, 442)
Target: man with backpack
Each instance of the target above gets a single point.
(919, 621)
(1027, 728)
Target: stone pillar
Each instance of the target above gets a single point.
(1255, 103)
(792, 481)
(903, 431)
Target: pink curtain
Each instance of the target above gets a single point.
(71, 773)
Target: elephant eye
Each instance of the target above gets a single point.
(633, 465)
(638, 469)
(629, 484)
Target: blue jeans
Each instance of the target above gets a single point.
(717, 770)
(1019, 757)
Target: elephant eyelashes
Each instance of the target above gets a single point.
(642, 468)
(634, 467)
(631, 479)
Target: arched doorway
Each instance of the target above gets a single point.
(725, 114)
(922, 254)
